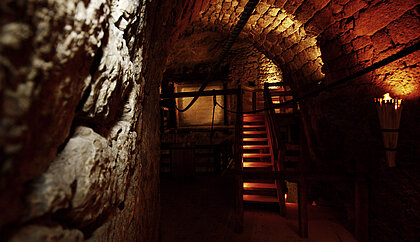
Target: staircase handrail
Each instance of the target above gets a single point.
(273, 129)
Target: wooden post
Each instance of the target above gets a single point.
(303, 208)
(239, 206)
(172, 108)
(281, 189)
(361, 211)
(162, 121)
(280, 196)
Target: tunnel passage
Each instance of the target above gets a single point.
(79, 87)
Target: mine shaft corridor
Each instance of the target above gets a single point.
(209, 120)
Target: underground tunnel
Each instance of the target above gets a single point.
(289, 136)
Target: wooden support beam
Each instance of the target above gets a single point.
(309, 176)
(281, 188)
(303, 208)
(204, 93)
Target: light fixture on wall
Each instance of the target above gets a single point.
(389, 112)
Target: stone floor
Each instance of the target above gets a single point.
(200, 209)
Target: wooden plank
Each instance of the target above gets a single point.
(253, 115)
(252, 126)
(254, 132)
(259, 198)
(255, 139)
(258, 185)
(249, 147)
(256, 155)
(204, 93)
(248, 164)
(309, 176)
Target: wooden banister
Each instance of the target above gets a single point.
(273, 134)
(239, 207)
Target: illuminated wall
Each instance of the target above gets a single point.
(202, 111)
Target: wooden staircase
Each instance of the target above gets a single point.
(257, 156)
(265, 151)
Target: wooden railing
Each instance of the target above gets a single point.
(304, 177)
(239, 207)
(273, 133)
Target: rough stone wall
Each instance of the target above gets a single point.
(79, 116)
(251, 69)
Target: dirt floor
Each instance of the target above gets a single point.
(201, 209)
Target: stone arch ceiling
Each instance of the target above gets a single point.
(311, 38)
(275, 32)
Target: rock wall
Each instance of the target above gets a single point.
(79, 116)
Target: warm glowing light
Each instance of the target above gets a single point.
(285, 196)
(388, 99)
(402, 82)
(389, 113)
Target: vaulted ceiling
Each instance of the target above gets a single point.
(314, 40)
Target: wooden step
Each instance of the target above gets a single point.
(260, 198)
(256, 164)
(281, 93)
(255, 132)
(253, 115)
(258, 185)
(250, 147)
(255, 139)
(256, 155)
(253, 121)
(253, 126)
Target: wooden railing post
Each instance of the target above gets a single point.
(303, 207)
(273, 136)
(239, 206)
(172, 108)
